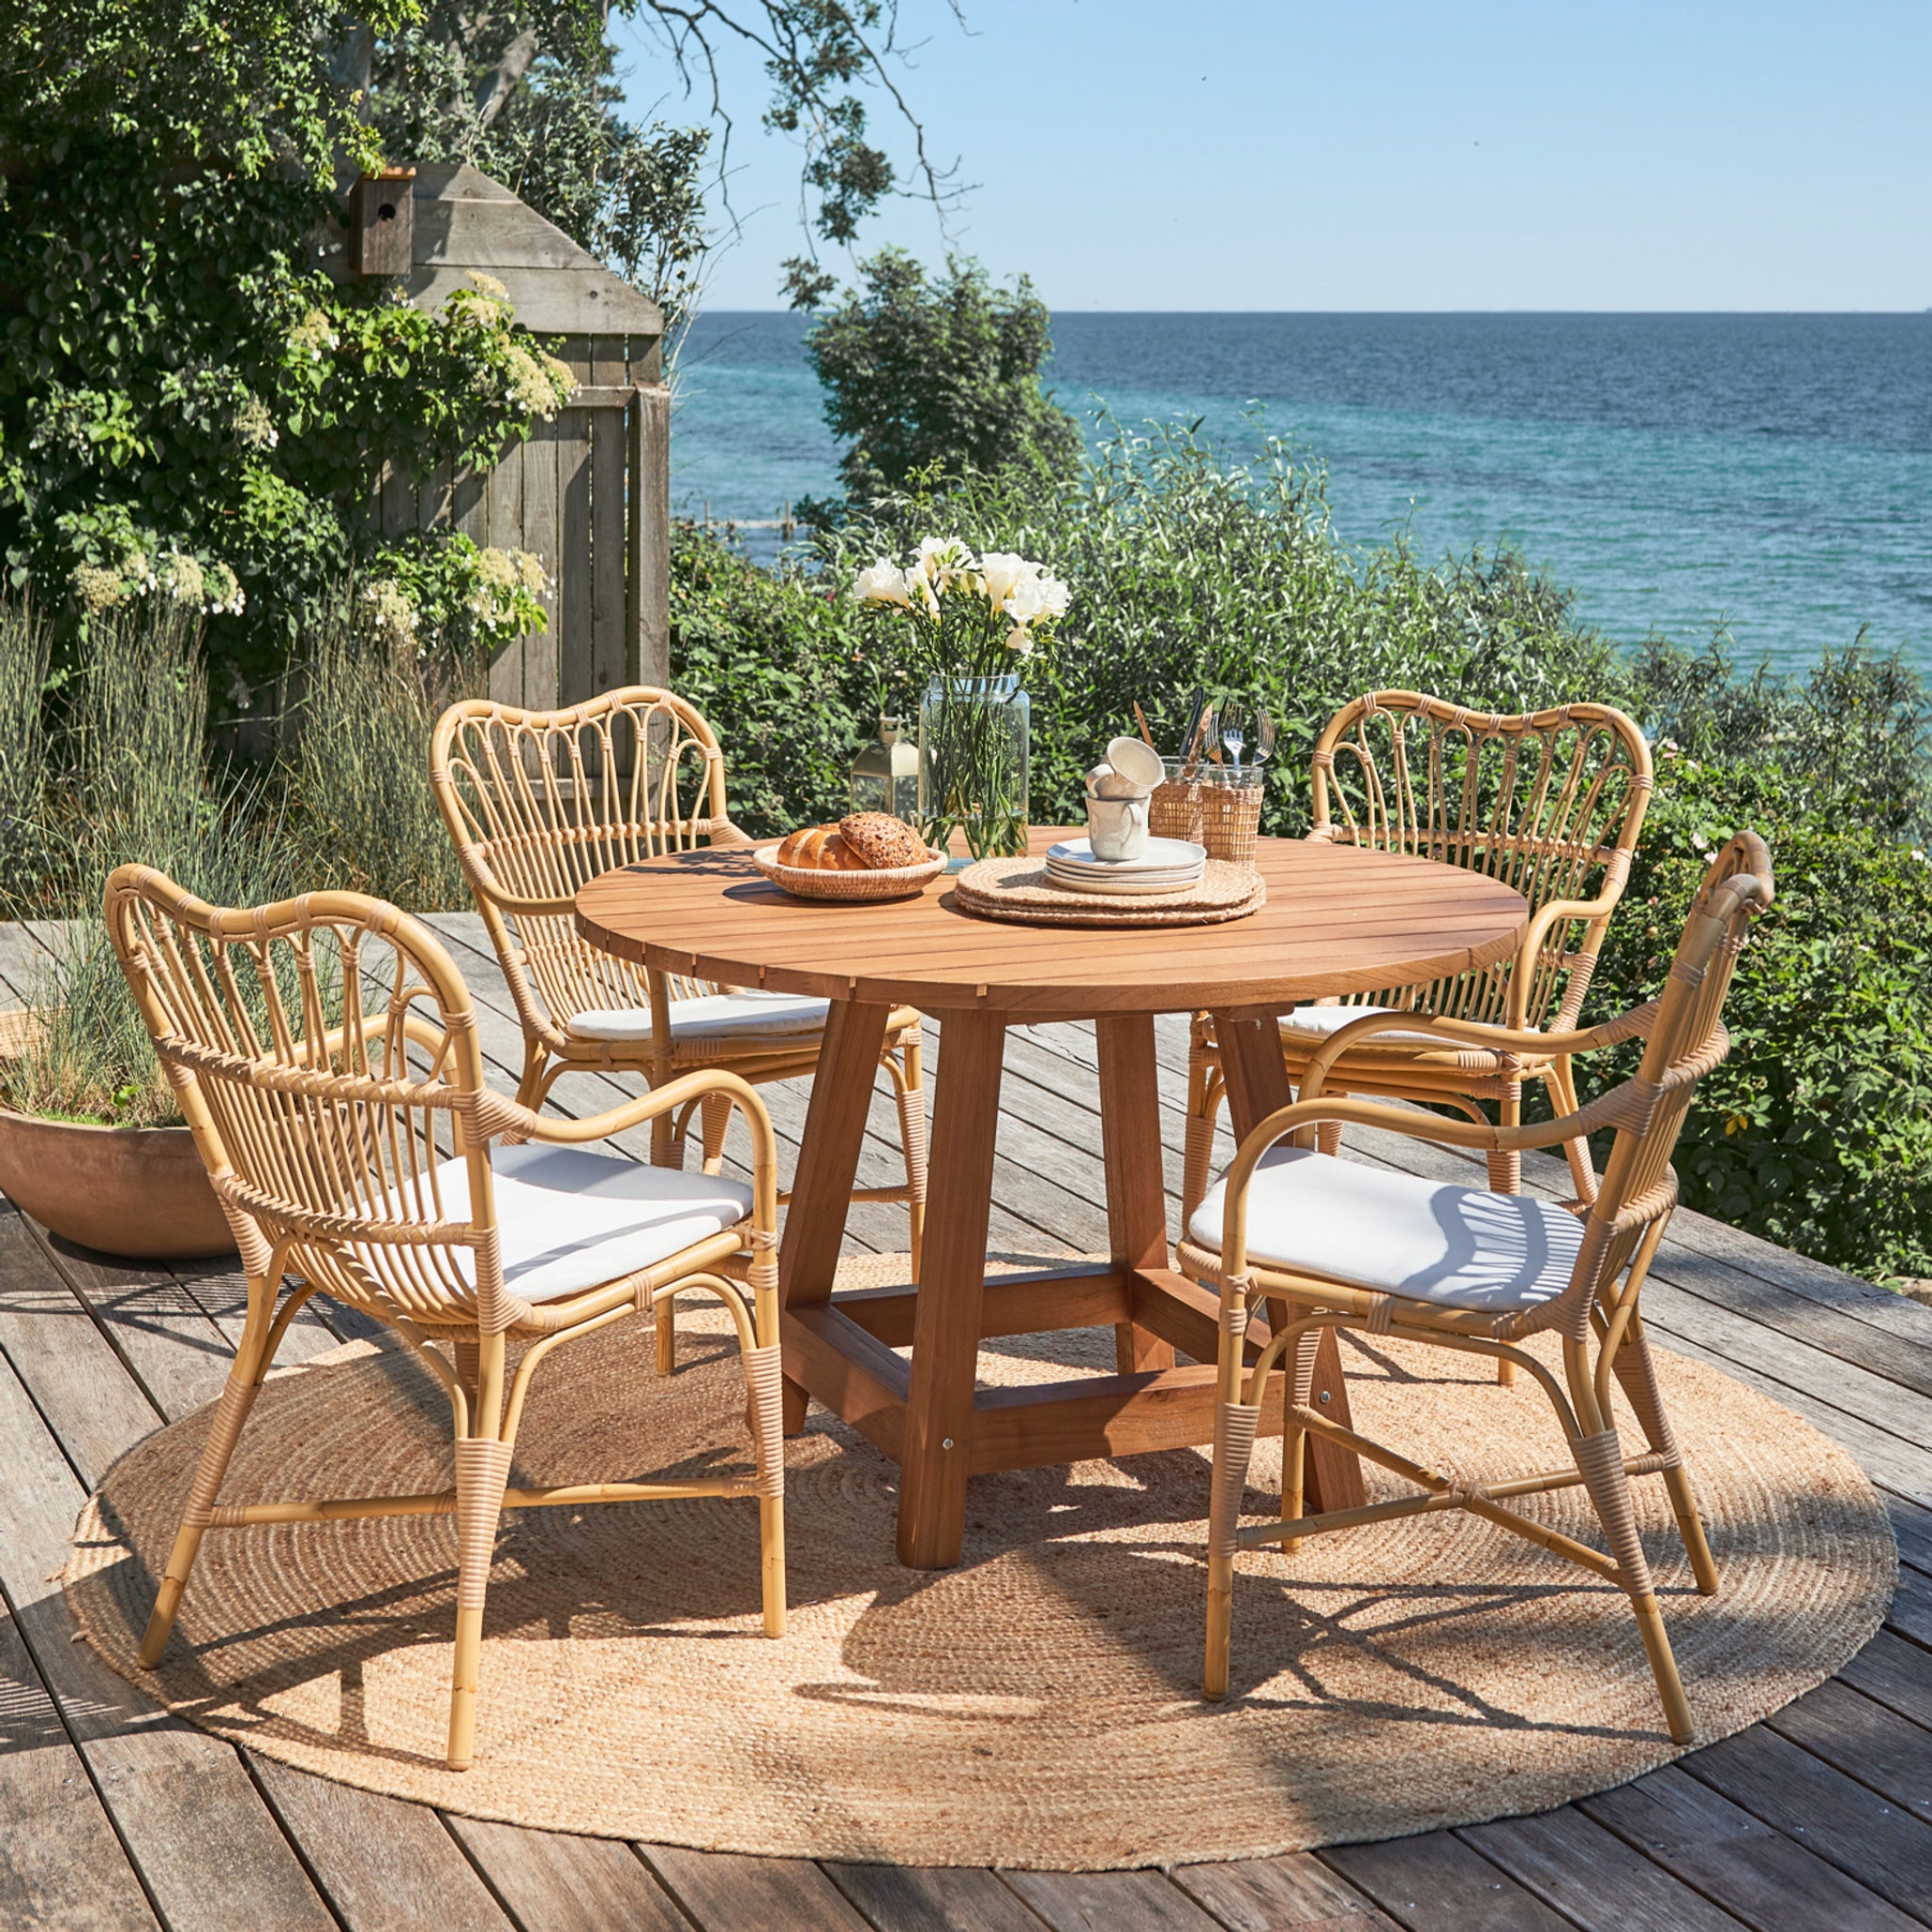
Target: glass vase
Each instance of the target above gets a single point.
(973, 763)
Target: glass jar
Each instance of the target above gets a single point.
(973, 763)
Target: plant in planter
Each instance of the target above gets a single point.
(91, 1141)
(973, 623)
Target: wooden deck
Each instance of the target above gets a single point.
(114, 1815)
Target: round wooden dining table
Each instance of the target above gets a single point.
(1337, 920)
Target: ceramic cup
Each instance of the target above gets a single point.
(1117, 828)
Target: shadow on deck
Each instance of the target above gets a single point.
(116, 1815)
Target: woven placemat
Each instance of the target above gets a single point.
(1040, 1705)
(1016, 888)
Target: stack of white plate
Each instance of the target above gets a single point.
(1164, 865)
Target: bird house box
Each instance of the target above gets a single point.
(382, 223)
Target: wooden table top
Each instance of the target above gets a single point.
(1339, 920)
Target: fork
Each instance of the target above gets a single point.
(1265, 742)
(1234, 732)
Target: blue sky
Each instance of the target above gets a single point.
(1389, 155)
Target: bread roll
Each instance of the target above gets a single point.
(819, 848)
(881, 841)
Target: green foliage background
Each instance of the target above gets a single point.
(1186, 570)
(186, 404)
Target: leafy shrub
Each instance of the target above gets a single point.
(1817, 1131)
(775, 661)
(940, 373)
(190, 411)
(1186, 570)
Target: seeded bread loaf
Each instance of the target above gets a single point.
(883, 841)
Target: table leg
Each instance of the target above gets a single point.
(951, 1285)
(1257, 1084)
(827, 1164)
(1136, 1197)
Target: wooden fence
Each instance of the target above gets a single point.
(590, 492)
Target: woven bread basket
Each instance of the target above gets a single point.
(814, 882)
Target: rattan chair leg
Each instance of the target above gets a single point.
(664, 1319)
(530, 1083)
(1329, 1137)
(231, 1411)
(1683, 1496)
(1599, 1457)
(717, 1119)
(467, 1356)
(1233, 1444)
(1296, 1387)
(251, 1358)
(903, 1061)
(482, 1474)
(1506, 1164)
(1197, 1160)
(1637, 1375)
(1506, 1177)
(666, 1144)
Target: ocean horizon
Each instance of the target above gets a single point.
(1769, 472)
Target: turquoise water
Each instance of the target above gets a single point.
(1773, 472)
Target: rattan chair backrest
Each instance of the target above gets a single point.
(1686, 1038)
(325, 1054)
(539, 803)
(1550, 802)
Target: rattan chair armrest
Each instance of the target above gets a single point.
(725, 833)
(646, 1107)
(1523, 1043)
(1555, 912)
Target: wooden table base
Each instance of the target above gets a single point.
(929, 1414)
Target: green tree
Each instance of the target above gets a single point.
(188, 409)
(926, 375)
(528, 93)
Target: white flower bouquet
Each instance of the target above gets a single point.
(970, 623)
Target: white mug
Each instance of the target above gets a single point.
(1117, 828)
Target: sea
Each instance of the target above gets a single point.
(1767, 474)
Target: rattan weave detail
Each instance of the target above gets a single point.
(1226, 819)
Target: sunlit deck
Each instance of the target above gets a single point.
(113, 1814)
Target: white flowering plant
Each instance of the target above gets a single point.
(431, 594)
(971, 624)
(966, 616)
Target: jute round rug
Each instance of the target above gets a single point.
(1036, 1707)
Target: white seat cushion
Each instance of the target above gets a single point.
(571, 1218)
(708, 1016)
(1317, 1023)
(1458, 1247)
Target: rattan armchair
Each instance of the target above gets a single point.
(1339, 1244)
(1550, 801)
(325, 1054)
(539, 804)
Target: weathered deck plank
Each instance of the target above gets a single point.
(551, 1882)
(61, 1867)
(1821, 1818)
